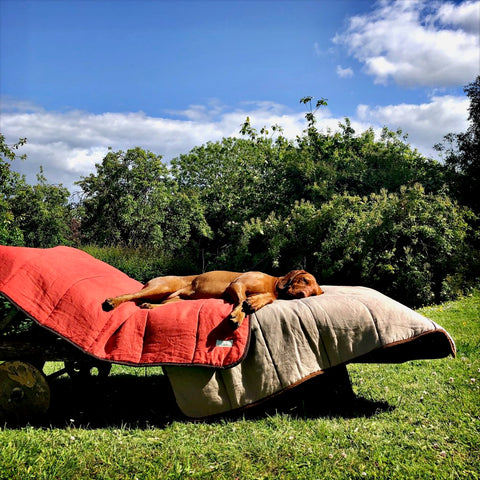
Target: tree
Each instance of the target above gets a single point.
(334, 163)
(10, 181)
(132, 201)
(234, 179)
(259, 179)
(462, 153)
(43, 213)
(31, 216)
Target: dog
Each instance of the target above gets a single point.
(249, 291)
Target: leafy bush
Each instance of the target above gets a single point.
(404, 244)
(31, 216)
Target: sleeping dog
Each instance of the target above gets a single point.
(249, 291)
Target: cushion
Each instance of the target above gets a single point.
(295, 340)
(63, 289)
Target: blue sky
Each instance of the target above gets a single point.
(79, 76)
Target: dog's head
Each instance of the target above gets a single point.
(298, 284)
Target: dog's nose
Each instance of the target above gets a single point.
(301, 294)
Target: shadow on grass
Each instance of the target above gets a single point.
(128, 401)
(328, 395)
(119, 401)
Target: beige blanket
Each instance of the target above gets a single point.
(297, 339)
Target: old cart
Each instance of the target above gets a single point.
(25, 347)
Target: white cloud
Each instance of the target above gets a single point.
(417, 42)
(344, 72)
(465, 16)
(426, 124)
(68, 144)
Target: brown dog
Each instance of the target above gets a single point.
(249, 291)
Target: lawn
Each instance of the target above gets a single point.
(415, 420)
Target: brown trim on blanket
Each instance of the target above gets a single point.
(238, 410)
(428, 345)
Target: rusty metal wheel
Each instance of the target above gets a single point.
(24, 392)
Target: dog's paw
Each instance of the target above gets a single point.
(108, 305)
(248, 308)
(236, 319)
(146, 306)
(233, 323)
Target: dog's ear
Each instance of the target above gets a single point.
(287, 280)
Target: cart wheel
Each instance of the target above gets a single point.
(81, 370)
(24, 392)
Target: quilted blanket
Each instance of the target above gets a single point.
(275, 349)
(295, 340)
(63, 289)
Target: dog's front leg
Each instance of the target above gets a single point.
(237, 316)
(237, 292)
(257, 301)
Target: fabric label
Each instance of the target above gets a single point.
(225, 343)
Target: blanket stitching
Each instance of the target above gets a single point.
(124, 321)
(21, 267)
(221, 373)
(268, 350)
(375, 323)
(327, 316)
(307, 304)
(435, 326)
(24, 266)
(306, 337)
(55, 307)
(68, 289)
(53, 331)
(197, 331)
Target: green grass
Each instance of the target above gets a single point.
(415, 420)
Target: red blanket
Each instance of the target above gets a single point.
(63, 289)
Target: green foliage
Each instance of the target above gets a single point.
(241, 179)
(335, 163)
(122, 202)
(235, 179)
(31, 216)
(404, 244)
(10, 182)
(132, 201)
(142, 264)
(16, 323)
(462, 153)
(43, 213)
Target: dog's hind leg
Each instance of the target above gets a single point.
(149, 306)
(150, 293)
(156, 291)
